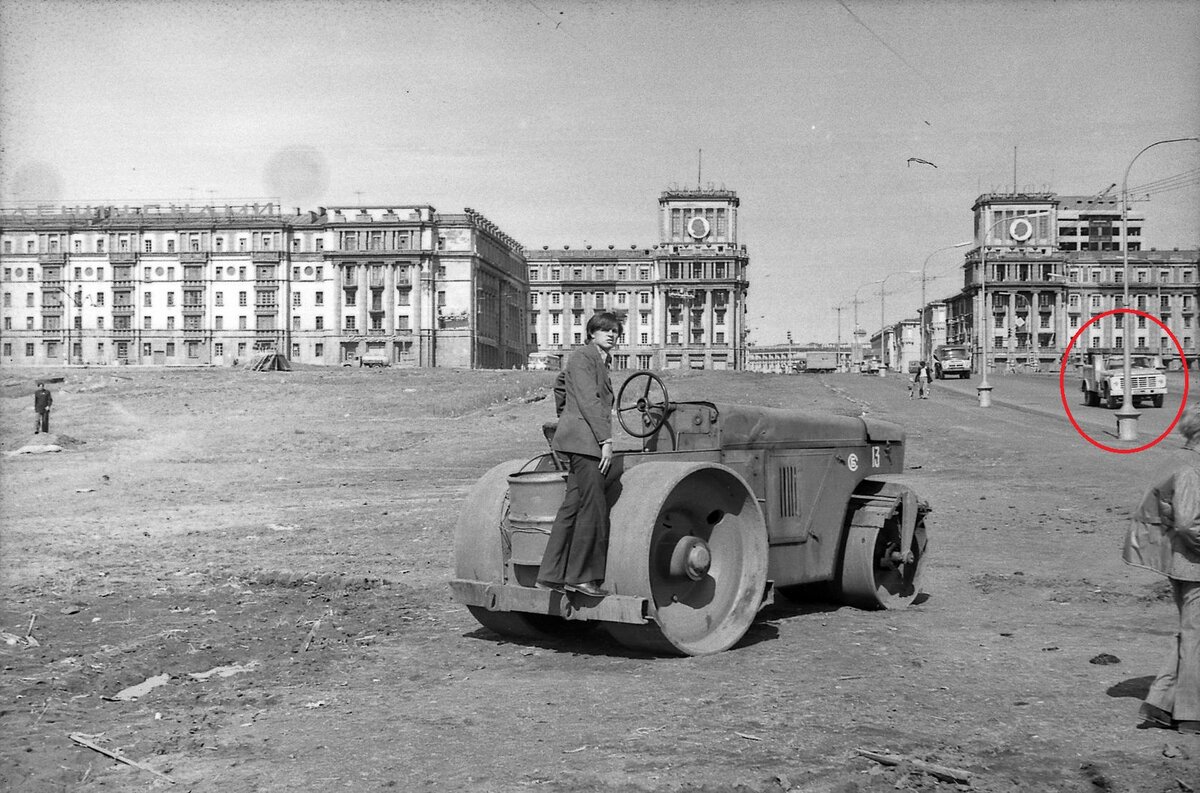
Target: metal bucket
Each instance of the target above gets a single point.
(533, 501)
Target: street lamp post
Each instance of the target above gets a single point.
(924, 308)
(837, 351)
(984, 388)
(1127, 417)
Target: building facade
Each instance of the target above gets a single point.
(682, 300)
(180, 285)
(1055, 262)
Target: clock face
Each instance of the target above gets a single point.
(1020, 229)
(697, 227)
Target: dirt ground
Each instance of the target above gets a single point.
(294, 533)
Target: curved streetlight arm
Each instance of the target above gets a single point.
(1127, 417)
(924, 306)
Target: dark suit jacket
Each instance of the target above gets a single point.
(42, 400)
(586, 397)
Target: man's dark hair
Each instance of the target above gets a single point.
(605, 320)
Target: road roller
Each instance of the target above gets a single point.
(720, 507)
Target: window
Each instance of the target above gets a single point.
(441, 298)
(170, 246)
(146, 299)
(350, 323)
(402, 322)
(643, 298)
(1119, 321)
(1141, 276)
(219, 323)
(146, 323)
(554, 339)
(241, 323)
(296, 299)
(219, 299)
(320, 247)
(170, 298)
(29, 299)
(403, 296)
(241, 243)
(99, 323)
(644, 338)
(579, 338)
(29, 350)
(99, 301)
(7, 351)
(1120, 342)
(319, 350)
(7, 299)
(149, 246)
(146, 274)
(319, 299)
(556, 299)
(241, 298)
(320, 323)
(295, 323)
(1141, 341)
(170, 349)
(1095, 301)
(1141, 322)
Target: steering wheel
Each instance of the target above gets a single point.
(653, 411)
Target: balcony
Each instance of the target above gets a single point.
(123, 331)
(52, 310)
(122, 311)
(122, 257)
(196, 331)
(265, 257)
(52, 258)
(193, 257)
(56, 332)
(193, 310)
(263, 311)
(261, 284)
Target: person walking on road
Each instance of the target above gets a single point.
(576, 554)
(922, 381)
(1164, 536)
(41, 406)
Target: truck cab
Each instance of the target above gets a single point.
(1103, 376)
(952, 360)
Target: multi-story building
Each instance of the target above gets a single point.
(1055, 262)
(211, 285)
(682, 300)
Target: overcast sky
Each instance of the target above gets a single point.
(563, 121)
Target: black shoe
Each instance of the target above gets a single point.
(587, 588)
(1155, 717)
(553, 587)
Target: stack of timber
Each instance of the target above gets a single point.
(270, 361)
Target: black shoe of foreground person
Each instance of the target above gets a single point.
(553, 587)
(587, 588)
(1155, 717)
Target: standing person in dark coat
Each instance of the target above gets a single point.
(41, 405)
(576, 554)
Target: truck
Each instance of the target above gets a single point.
(952, 359)
(1102, 380)
(719, 506)
(821, 361)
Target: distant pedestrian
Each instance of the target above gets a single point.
(41, 406)
(922, 380)
(1164, 536)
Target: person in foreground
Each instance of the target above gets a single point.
(1164, 536)
(577, 551)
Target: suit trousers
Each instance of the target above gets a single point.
(577, 551)
(42, 422)
(1177, 687)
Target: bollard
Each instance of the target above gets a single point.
(985, 396)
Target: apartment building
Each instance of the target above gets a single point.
(180, 285)
(1055, 262)
(682, 299)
